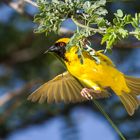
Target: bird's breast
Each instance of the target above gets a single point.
(81, 70)
(101, 73)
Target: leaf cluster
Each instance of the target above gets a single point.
(119, 30)
(53, 13)
(90, 18)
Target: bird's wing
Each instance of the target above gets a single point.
(63, 87)
(105, 58)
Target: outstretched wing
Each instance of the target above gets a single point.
(63, 87)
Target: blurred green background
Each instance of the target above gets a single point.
(23, 67)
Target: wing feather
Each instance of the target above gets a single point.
(67, 88)
(76, 91)
(50, 93)
(57, 97)
(72, 92)
(63, 87)
(66, 94)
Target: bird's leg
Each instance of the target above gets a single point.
(89, 93)
(86, 93)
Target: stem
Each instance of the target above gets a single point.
(133, 33)
(90, 28)
(109, 119)
(31, 2)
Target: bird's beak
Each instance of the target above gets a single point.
(51, 49)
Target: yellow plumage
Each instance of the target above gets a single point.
(92, 75)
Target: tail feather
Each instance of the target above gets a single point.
(130, 100)
(133, 84)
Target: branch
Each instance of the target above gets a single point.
(101, 31)
(18, 7)
(124, 44)
(17, 94)
(22, 52)
(127, 45)
(90, 28)
(31, 2)
(14, 99)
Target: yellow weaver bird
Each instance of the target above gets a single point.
(88, 80)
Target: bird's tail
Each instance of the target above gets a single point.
(130, 100)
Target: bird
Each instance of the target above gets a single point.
(88, 80)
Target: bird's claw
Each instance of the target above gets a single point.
(86, 93)
(89, 93)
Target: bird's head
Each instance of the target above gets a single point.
(59, 47)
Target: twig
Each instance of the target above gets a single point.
(90, 28)
(98, 105)
(101, 31)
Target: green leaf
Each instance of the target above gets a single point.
(55, 1)
(101, 2)
(137, 34)
(119, 13)
(101, 11)
(86, 5)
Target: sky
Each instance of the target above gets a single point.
(90, 127)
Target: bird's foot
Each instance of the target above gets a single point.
(90, 93)
(86, 92)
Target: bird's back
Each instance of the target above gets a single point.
(104, 74)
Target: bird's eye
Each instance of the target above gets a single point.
(62, 44)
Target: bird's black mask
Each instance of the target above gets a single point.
(58, 48)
